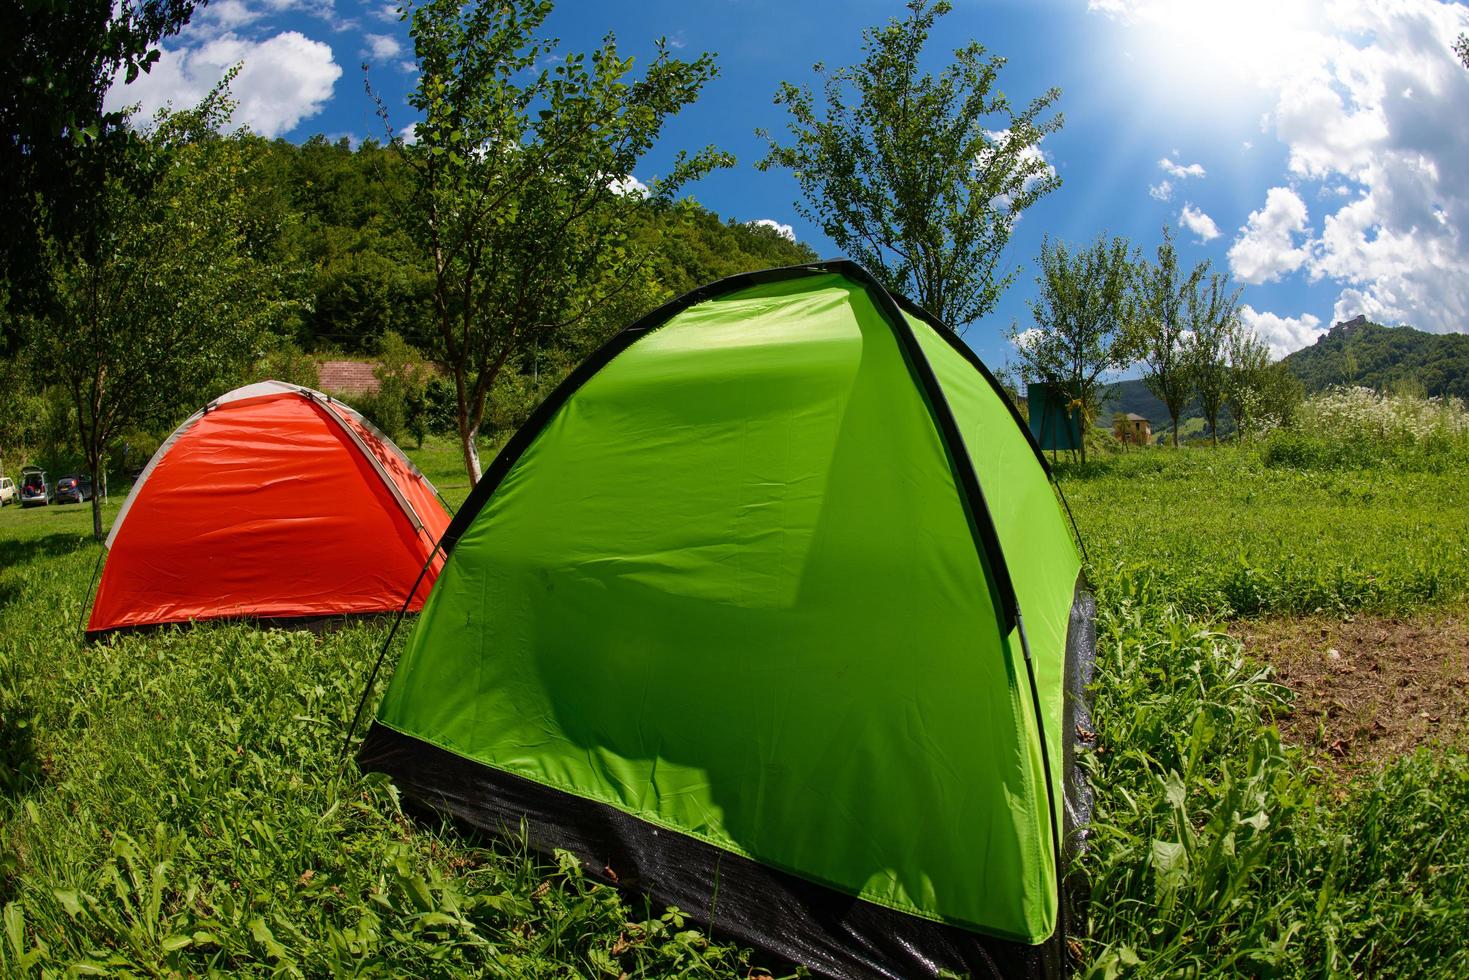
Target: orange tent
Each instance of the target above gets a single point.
(273, 502)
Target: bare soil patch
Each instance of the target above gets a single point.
(1368, 689)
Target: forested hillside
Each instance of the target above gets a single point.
(1354, 352)
(1133, 397)
(328, 225)
(1359, 352)
(364, 276)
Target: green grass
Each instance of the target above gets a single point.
(1214, 851)
(175, 804)
(1221, 532)
(441, 460)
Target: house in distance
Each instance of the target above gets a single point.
(1132, 429)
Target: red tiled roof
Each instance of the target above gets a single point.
(347, 377)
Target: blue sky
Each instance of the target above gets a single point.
(1314, 149)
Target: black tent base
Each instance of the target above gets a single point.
(785, 916)
(310, 624)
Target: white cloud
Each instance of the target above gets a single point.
(382, 46)
(1178, 171)
(325, 9)
(1199, 223)
(1161, 191)
(1282, 334)
(1382, 112)
(785, 231)
(408, 134)
(1028, 154)
(1025, 338)
(284, 79)
(1247, 146)
(628, 185)
(386, 12)
(1363, 95)
(1266, 248)
(222, 17)
(230, 14)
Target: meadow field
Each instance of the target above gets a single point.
(178, 804)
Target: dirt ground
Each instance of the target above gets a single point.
(1368, 689)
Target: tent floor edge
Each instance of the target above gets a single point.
(317, 624)
(784, 916)
(1077, 739)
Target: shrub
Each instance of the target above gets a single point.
(286, 363)
(1357, 428)
(402, 377)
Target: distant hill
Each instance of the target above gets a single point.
(1359, 352)
(1134, 397)
(1354, 352)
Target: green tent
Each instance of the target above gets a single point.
(770, 612)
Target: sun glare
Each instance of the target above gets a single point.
(1212, 43)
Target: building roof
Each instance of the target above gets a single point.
(1134, 417)
(347, 377)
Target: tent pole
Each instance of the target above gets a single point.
(86, 599)
(377, 664)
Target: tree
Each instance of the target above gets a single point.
(1082, 316)
(920, 178)
(1162, 296)
(521, 181)
(173, 303)
(1247, 358)
(1259, 394)
(1461, 48)
(23, 412)
(1213, 320)
(60, 150)
(402, 378)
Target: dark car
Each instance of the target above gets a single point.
(74, 488)
(33, 489)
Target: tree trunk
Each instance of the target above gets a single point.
(467, 436)
(1173, 417)
(94, 465)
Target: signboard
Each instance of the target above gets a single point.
(1053, 423)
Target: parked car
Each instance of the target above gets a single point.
(74, 488)
(7, 490)
(34, 490)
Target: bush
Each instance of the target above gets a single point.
(386, 413)
(402, 376)
(287, 363)
(438, 407)
(1356, 428)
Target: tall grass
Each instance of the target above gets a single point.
(1357, 428)
(175, 804)
(1230, 532)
